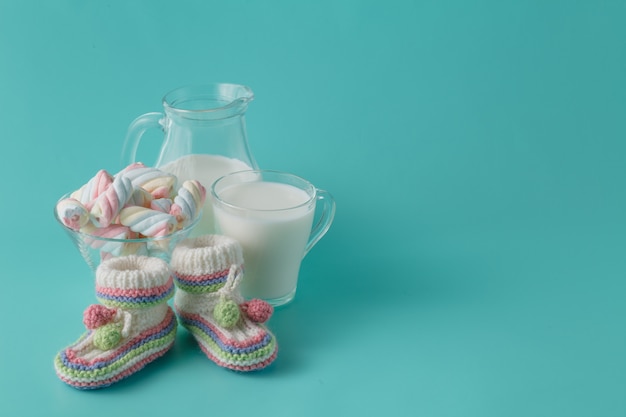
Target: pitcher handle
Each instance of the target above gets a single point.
(135, 132)
(325, 213)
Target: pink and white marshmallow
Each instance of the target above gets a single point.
(72, 213)
(97, 185)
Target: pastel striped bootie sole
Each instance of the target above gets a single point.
(229, 330)
(249, 348)
(73, 367)
(132, 326)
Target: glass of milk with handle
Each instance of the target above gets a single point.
(277, 218)
(204, 136)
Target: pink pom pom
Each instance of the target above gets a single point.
(257, 310)
(97, 315)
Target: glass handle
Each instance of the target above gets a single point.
(135, 131)
(324, 213)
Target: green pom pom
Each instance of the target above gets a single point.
(226, 313)
(107, 336)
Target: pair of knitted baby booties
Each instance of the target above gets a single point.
(133, 325)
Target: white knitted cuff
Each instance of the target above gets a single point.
(206, 255)
(132, 272)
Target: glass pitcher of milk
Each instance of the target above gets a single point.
(205, 137)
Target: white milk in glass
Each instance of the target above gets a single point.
(206, 169)
(273, 238)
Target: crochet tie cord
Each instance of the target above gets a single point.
(131, 327)
(229, 330)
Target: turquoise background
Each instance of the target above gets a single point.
(476, 150)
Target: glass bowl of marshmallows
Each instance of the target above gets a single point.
(138, 211)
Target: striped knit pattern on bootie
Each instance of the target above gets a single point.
(131, 328)
(207, 272)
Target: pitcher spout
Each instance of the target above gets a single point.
(210, 101)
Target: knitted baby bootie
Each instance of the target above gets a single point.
(131, 328)
(207, 272)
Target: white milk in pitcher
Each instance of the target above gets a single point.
(272, 230)
(206, 169)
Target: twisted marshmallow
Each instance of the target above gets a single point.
(94, 187)
(154, 181)
(188, 202)
(148, 222)
(108, 204)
